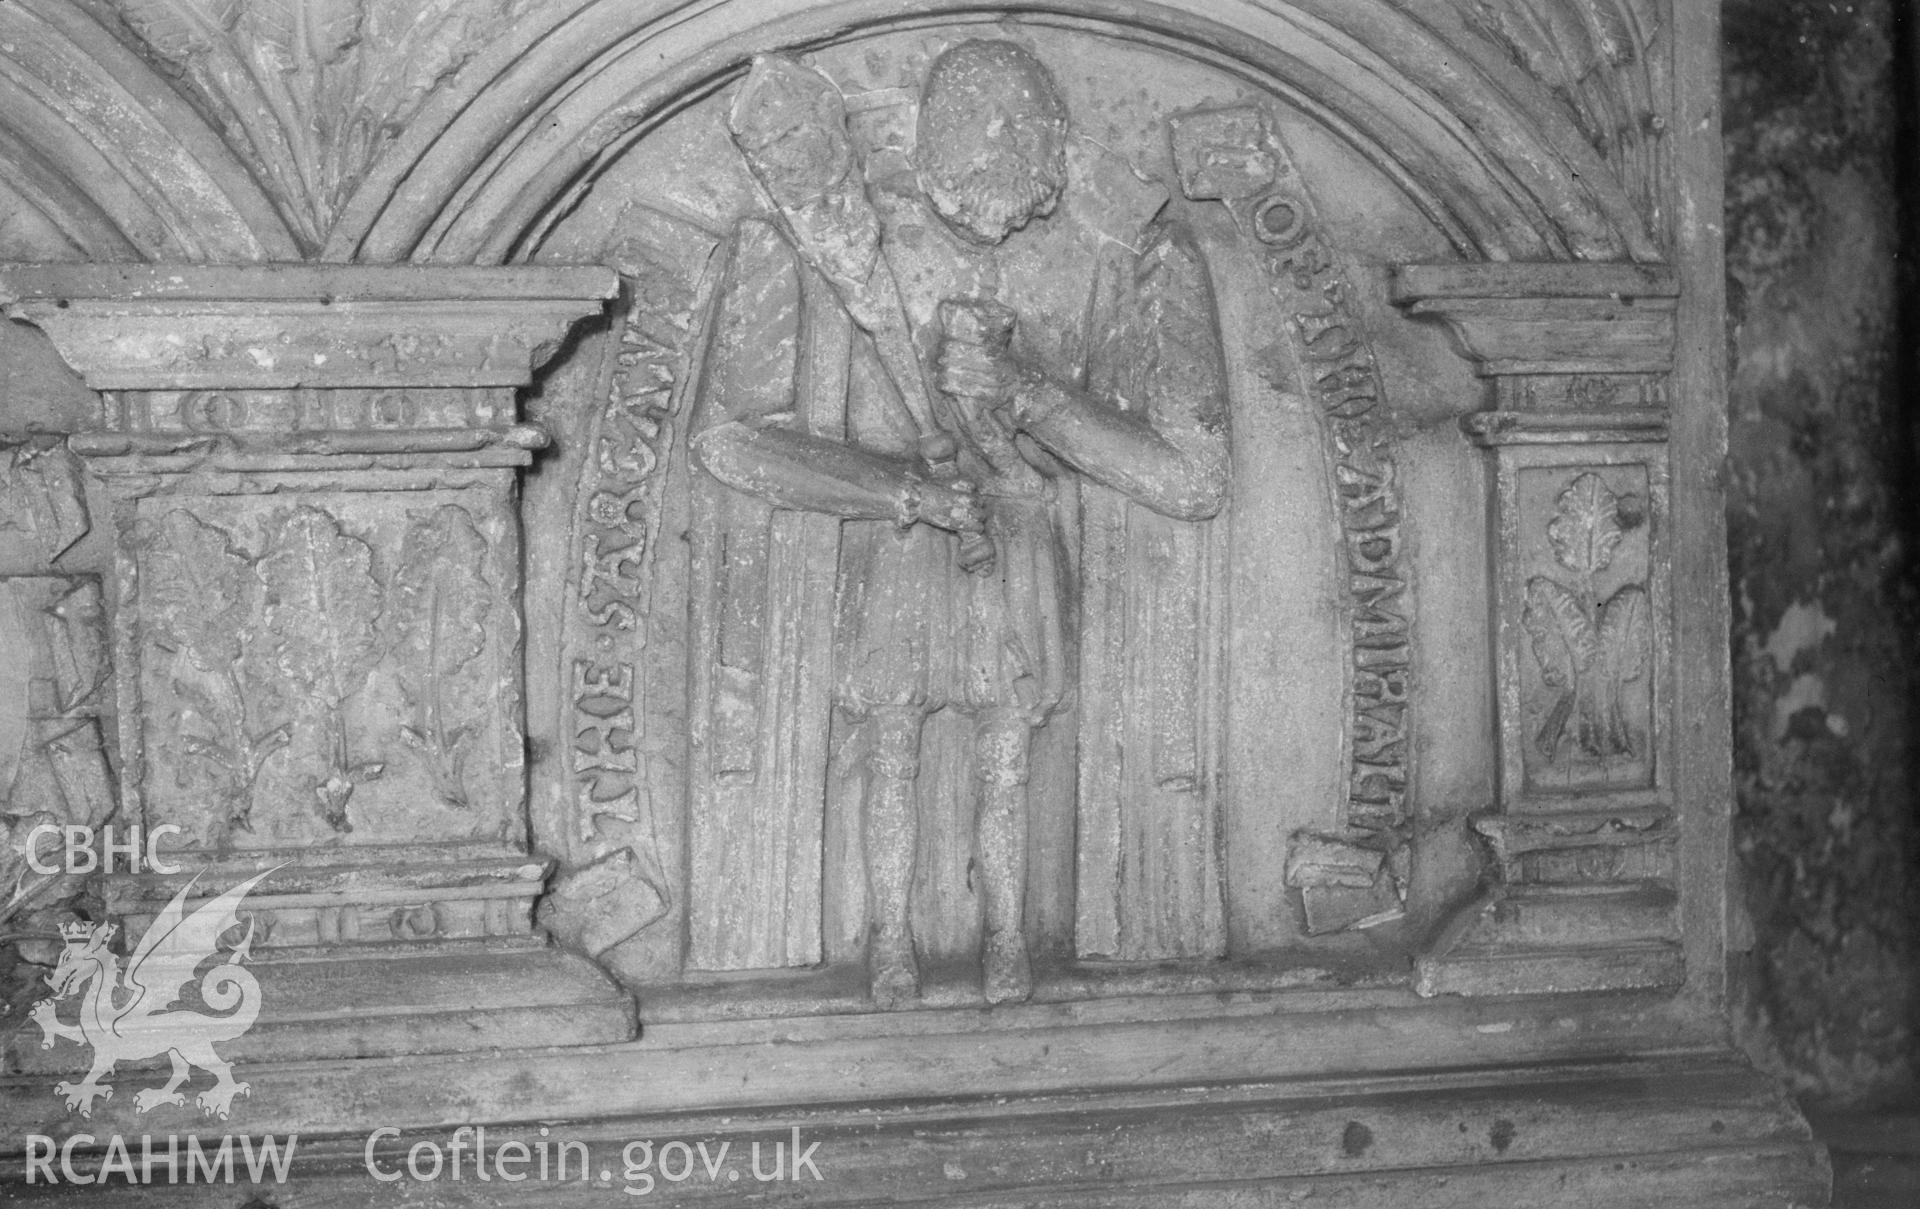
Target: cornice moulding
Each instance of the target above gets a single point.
(285, 326)
(1558, 318)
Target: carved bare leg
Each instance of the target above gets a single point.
(1001, 742)
(892, 831)
(152, 1097)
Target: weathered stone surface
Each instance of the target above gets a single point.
(43, 501)
(56, 703)
(1549, 319)
(285, 326)
(1703, 1131)
(316, 638)
(1820, 520)
(1012, 601)
(55, 700)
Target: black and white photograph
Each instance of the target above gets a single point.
(1051, 604)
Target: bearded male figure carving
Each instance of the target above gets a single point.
(925, 391)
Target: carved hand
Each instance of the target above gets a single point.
(954, 505)
(975, 367)
(983, 375)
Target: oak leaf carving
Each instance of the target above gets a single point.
(321, 607)
(1623, 634)
(308, 92)
(437, 608)
(1586, 528)
(199, 594)
(1588, 648)
(195, 589)
(1565, 641)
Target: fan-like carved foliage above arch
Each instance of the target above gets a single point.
(308, 92)
(452, 129)
(1596, 56)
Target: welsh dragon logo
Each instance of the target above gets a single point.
(124, 1017)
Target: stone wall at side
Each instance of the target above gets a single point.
(1821, 522)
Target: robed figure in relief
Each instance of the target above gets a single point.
(961, 417)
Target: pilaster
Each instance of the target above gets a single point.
(311, 476)
(1583, 830)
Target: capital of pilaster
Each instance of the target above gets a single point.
(271, 327)
(1554, 319)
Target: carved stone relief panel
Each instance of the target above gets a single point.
(1235, 155)
(1589, 546)
(297, 688)
(932, 623)
(317, 629)
(1004, 547)
(1583, 886)
(607, 800)
(1582, 830)
(311, 98)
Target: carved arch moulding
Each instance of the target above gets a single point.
(182, 130)
(1056, 531)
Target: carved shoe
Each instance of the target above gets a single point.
(892, 972)
(1008, 975)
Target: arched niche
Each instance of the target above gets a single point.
(1486, 150)
(1348, 641)
(149, 136)
(1399, 135)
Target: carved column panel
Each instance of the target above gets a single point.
(1583, 832)
(312, 475)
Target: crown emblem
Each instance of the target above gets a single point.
(77, 932)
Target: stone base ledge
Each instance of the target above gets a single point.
(1704, 1132)
(1032, 1049)
(401, 999)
